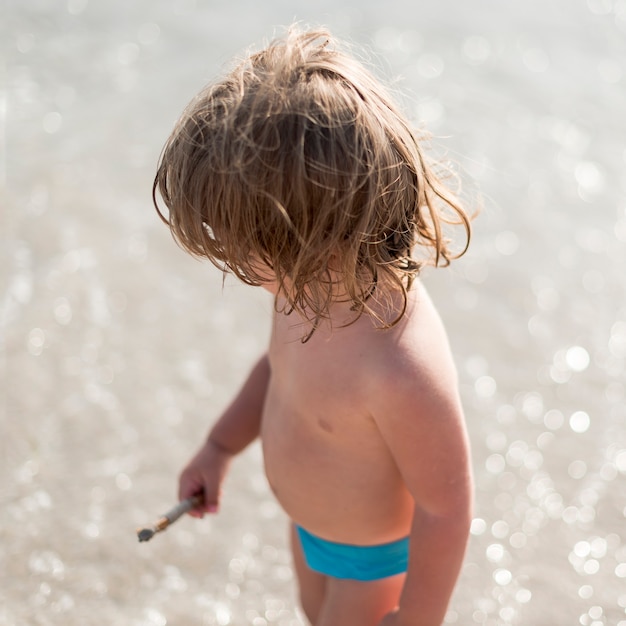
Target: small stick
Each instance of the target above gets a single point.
(145, 534)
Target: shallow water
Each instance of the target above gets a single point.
(118, 350)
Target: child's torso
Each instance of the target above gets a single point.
(324, 456)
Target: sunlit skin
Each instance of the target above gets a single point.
(364, 443)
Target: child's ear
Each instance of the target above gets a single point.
(334, 262)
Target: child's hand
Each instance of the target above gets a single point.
(204, 475)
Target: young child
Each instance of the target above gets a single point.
(297, 173)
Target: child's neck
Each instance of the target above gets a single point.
(380, 311)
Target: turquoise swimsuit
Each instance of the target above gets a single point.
(342, 560)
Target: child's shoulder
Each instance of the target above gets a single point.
(416, 350)
(411, 372)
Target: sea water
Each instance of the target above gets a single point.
(118, 351)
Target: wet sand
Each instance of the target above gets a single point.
(118, 350)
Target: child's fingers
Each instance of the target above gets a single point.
(188, 489)
(211, 500)
(203, 476)
(198, 510)
(210, 496)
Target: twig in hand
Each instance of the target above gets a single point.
(145, 534)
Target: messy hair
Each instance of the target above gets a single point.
(299, 162)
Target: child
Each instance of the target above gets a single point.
(298, 174)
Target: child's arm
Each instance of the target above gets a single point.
(238, 426)
(421, 419)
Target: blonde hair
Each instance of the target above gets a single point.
(298, 161)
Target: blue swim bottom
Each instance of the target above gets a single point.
(342, 560)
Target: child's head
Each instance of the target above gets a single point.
(298, 162)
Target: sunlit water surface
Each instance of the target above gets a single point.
(118, 350)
